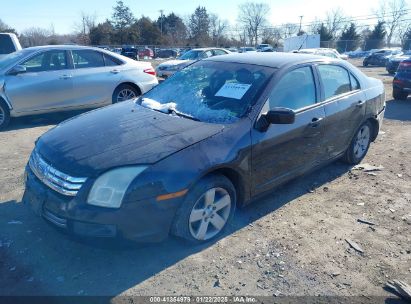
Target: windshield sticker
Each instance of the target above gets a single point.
(233, 90)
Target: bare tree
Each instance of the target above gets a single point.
(392, 13)
(218, 28)
(35, 36)
(271, 35)
(289, 29)
(83, 28)
(335, 22)
(253, 17)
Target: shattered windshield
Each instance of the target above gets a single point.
(215, 92)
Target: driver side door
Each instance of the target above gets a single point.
(46, 85)
(286, 150)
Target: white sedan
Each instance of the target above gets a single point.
(59, 78)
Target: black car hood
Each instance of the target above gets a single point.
(123, 134)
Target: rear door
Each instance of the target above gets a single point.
(47, 83)
(344, 104)
(95, 76)
(283, 151)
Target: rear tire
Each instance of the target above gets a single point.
(4, 115)
(359, 145)
(207, 209)
(125, 92)
(399, 94)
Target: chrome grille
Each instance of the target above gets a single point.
(56, 180)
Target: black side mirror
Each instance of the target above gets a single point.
(277, 116)
(18, 69)
(280, 116)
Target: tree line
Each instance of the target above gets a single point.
(204, 28)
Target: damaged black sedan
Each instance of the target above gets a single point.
(182, 157)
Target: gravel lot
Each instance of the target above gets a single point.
(292, 242)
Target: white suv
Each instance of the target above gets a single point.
(9, 43)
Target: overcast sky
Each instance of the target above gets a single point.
(63, 15)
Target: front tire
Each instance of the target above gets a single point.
(4, 115)
(125, 92)
(399, 94)
(359, 145)
(208, 208)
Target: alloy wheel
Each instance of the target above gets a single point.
(362, 141)
(126, 94)
(210, 214)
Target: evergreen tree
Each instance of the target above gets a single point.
(122, 20)
(375, 39)
(199, 26)
(349, 39)
(325, 35)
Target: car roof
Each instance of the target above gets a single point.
(66, 47)
(206, 49)
(274, 60)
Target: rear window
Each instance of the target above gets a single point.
(87, 59)
(6, 45)
(335, 80)
(111, 61)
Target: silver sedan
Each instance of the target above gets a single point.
(59, 78)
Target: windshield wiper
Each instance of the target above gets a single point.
(178, 113)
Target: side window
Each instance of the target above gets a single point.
(47, 61)
(208, 54)
(355, 85)
(335, 80)
(87, 59)
(295, 90)
(219, 52)
(111, 61)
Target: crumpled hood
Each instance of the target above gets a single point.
(123, 134)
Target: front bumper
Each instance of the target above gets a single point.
(145, 221)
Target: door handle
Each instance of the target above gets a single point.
(115, 71)
(315, 122)
(360, 103)
(66, 77)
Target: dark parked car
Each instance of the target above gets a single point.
(166, 53)
(130, 53)
(394, 61)
(181, 158)
(402, 80)
(380, 58)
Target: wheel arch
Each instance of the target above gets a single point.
(375, 127)
(5, 101)
(236, 179)
(132, 84)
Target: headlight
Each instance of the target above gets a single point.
(109, 188)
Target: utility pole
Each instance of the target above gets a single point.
(301, 21)
(161, 21)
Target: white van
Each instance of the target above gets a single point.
(9, 43)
